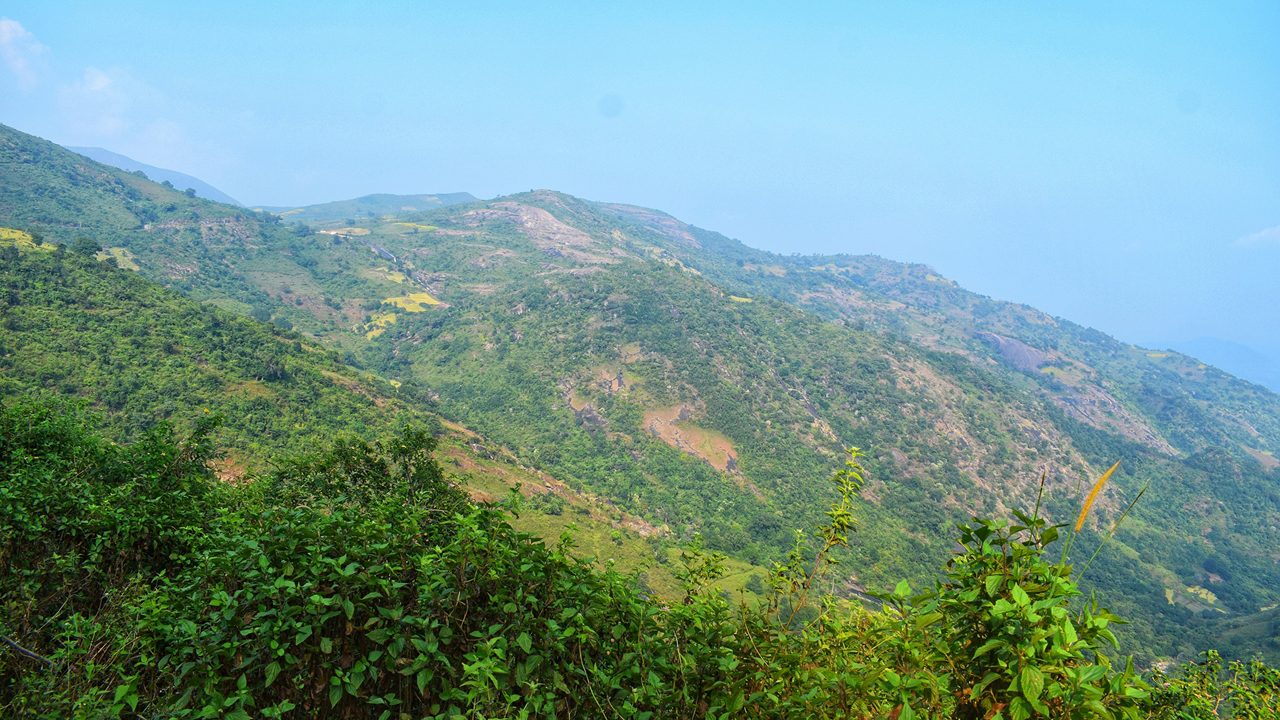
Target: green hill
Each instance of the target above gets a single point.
(72, 326)
(368, 206)
(75, 327)
(707, 387)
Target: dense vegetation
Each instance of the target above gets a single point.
(355, 582)
(634, 357)
(75, 327)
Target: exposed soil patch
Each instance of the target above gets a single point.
(672, 425)
(1266, 459)
(1096, 407)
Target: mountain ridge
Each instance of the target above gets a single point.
(179, 180)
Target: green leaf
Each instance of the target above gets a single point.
(988, 646)
(1069, 632)
(272, 672)
(993, 583)
(1020, 596)
(982, 684)
(928, 619)
(1032, 682)
(1019, 709)
(335, 694)
(525, 643)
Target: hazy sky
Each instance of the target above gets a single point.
(1118, 166)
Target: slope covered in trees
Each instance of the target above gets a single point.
(701, 385)
(73, 326)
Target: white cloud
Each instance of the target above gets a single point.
(96, 104)
(21, 53)
(1264, 237)
(105, 105)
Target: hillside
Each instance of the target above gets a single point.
(707, 387)
(179, 181)
(368, 206)
(75, 327)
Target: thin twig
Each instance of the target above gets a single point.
(25, 652)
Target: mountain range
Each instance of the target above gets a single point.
(685, 383)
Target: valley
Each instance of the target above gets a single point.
(664, 382)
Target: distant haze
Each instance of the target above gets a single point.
(1116, 166)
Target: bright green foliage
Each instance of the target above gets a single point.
(999, 637)
(88, 529)
(74, 327)
(1017, 644)
(355, 583)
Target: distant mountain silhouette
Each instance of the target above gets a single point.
(181, 181)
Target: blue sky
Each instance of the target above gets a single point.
(1118, 166)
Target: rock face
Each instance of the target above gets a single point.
(1018, 354)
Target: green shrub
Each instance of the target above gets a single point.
(357, 583)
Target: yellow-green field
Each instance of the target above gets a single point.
(23, 240)
(1070, 375)
(124, 258)
(737, 299)
(379, 325)
(383, 273)
(413, 302)
(414, 226)
(1204, 594)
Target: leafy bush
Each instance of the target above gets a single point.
(356, 583)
